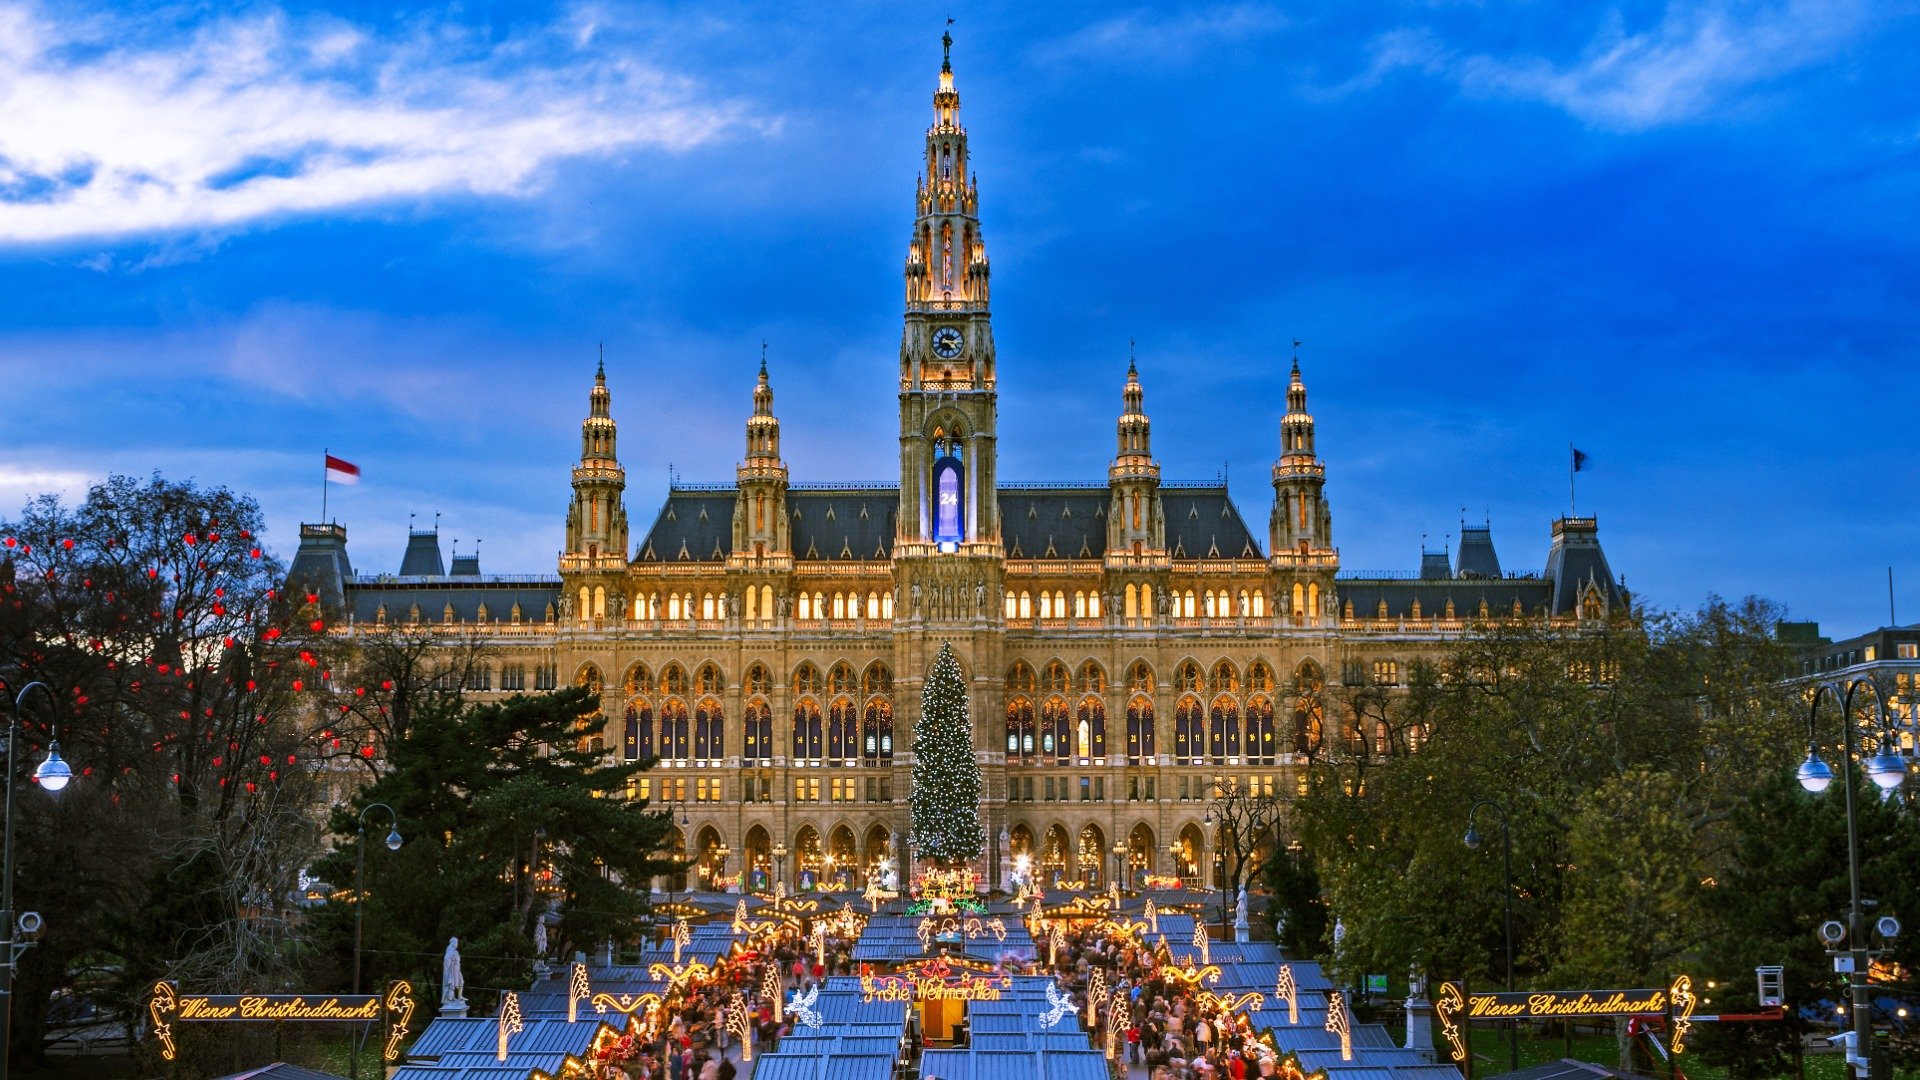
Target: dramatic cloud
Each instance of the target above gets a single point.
(108, 130)
(1697, 60)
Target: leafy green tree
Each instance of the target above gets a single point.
(946, 776)
(478, 789)
(1299, 911)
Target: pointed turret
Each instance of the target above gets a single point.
(1136, 526)
(760, 509)
(1301, 529)
(596, 553)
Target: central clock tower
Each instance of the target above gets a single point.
(947, 397)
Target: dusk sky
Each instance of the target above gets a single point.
(1684, 237)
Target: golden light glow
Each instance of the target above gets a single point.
(770, 988)
(510, 1021)
(623, 1003)
(399, 1001)
(1452, 1002)
(1681, 995)
(160, 1007)
(578, 990)
(1340, 1023)
(1285, 987)
(679, 976)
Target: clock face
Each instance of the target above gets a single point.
(947, 342)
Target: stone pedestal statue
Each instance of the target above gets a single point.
(453, 983)
(1240, 916)
(1419, 1017)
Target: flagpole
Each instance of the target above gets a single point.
(1573, 466)
(323, 484)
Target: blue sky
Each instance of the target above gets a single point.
(1682, 236)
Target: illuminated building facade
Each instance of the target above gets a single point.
(1130, 644)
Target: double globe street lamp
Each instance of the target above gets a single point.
(52, 775)
(360, 874)
(1887, 769)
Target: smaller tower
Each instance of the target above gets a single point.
(1301, 529)
(1136, 527)
(760, 523)
(593, 565)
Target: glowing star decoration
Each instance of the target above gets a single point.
(1285, 987)
(802, 1008)
(820, 944)
(1449, 1007)
(740, 916)
(1192, 974)
(770, 989)
(578, 990)
(740, 1026)
(1683, 1001)
(399, 1005)
(1056, 937)
(1058, 1006)
(682, 936)
(1153, 915)
(510, 1022)
(1096, 996)
(624, 1003)
(1200, 944)
(998, 927)
(161, 1007)
(924, 931)
(679, 977)
(1340, 1022)
(1228, 1003)
(1116, 1025)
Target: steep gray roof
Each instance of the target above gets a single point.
(321, 563)
(1399, 593)
(423, 555)
(857, 523)
(400, 595)
(1575, 560)
(1476, 558)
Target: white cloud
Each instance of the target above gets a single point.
(1698, 60)
(246, 118)
(1141, 36)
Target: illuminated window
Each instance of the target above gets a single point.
(949, 518)
(1908, 650)
(806, 789)
(1386, 672)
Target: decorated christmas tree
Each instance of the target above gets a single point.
(946, 777)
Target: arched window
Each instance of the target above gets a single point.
(766, 603)
(1308, 713)
(1259, 604)
(840, 679)
(949, 515)
(758, 679)
(709, 731)
(674, 679)
(1223, 730)
(1225, 679)
(1020, 677)
(639, 680)
(1054, 676)
(1260, 678)
(843, 737)
(1056, 732)
(877, 680)
(753, 604)
(636, 743)
(806, 679)
(1020, 730)
(710, 681)
(1140, 731)
(1187, 677)
(807, 741)
(1132, 608)
(1140, 677)
(1189, 732)
(1259, 739)
(673, 730)
(1091, 730)
(757, 743)
(1313, 600)
(1093, 678)
(876, 733)
(1299, 599)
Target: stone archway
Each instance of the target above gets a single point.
(1140, 860)
(756, 860)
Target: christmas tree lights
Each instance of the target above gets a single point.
(946, 776)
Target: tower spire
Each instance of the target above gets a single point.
(597, 519)
(760, 506)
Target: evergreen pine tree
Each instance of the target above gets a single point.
(946, 776)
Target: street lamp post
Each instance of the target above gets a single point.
(721, 854)
(52, 775)
(360, 875)
(1887, 769)
(1119, 865)
(780, 862)
(1472, 841)
(1173, 856)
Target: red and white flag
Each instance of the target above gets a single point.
(342, 472)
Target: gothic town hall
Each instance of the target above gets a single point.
(1130, 643)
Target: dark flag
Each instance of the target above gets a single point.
(1579, 459)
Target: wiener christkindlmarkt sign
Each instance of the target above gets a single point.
(1456, 1006)
(167, 1006)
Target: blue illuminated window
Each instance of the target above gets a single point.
(949, 519)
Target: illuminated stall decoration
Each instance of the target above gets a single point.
(578, 990)
(1340, 1022)
(1200, 943)
(1229, 1002)
(678, 976)
(1153, 915)
(1682, 1000)
(1116, 1023)
(1449, 1006)
(1096, 995)
(1191, 974)
(1059, 1006)
(399, 1009)
(803, 1008)
(740, 1026)
(740, 916)
(939, 979)
(510, 1022)
(623, 1003)
(682, 937)
(1285, 987)
(162, 1006)
(771, 990)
